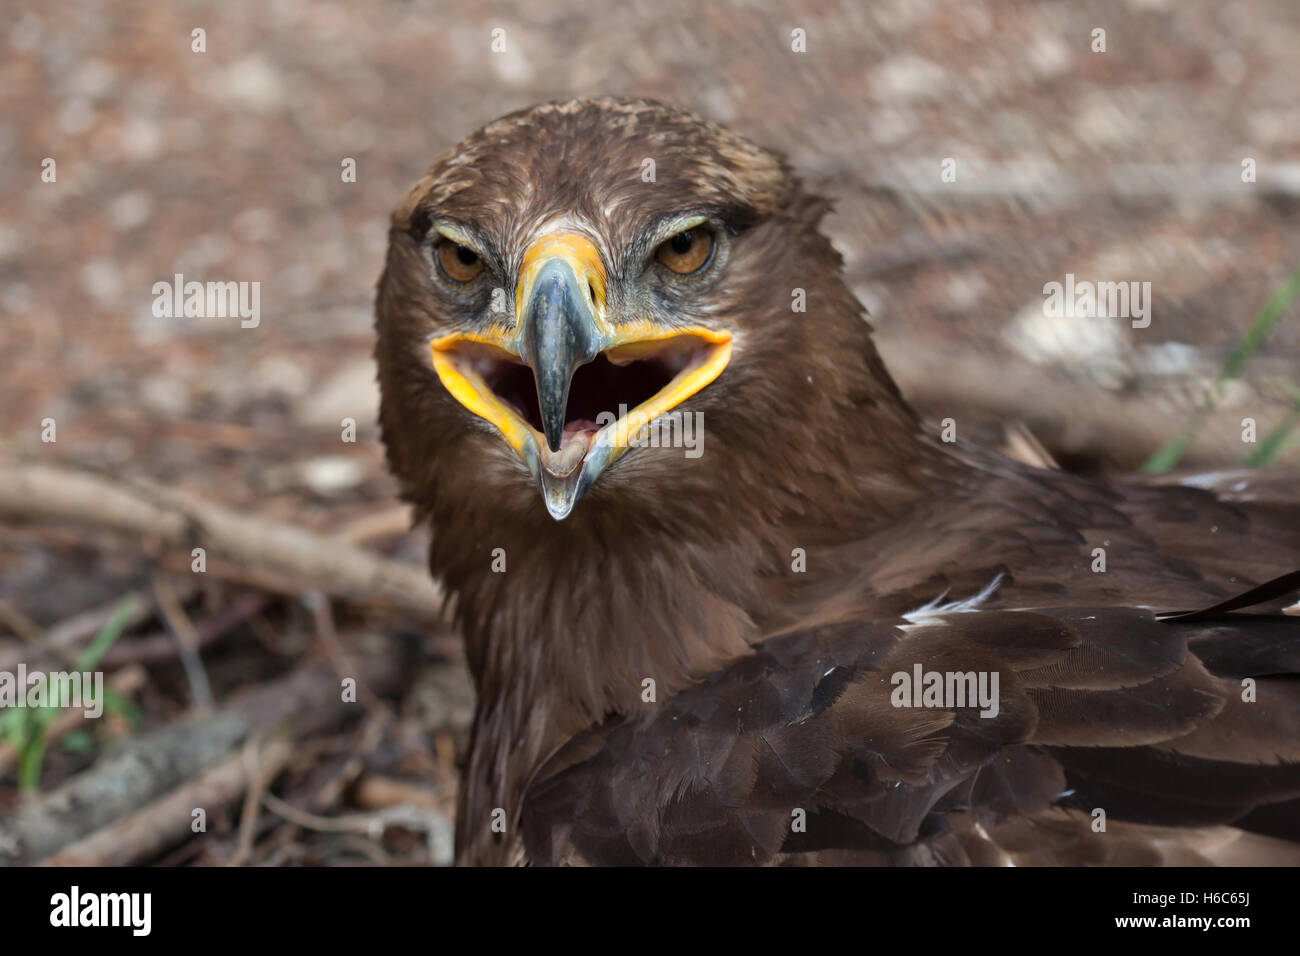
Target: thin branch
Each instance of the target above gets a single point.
(144, 834)
(182, 521)
(18, 622)
(187, 641)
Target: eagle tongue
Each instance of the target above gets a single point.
(564, 462)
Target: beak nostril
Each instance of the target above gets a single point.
(591, 290)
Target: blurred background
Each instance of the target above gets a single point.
(1123, 164)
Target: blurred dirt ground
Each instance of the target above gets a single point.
(225, 165)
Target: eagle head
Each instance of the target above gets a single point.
(614, 303)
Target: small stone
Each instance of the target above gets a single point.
(331, 474)
(130, 210)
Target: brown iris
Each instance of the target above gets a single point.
(458, 263)
(687, 252)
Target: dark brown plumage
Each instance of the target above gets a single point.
(772, 684)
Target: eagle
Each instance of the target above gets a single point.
(727, 599)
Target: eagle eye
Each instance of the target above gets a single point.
(460, 264)
(688, 252)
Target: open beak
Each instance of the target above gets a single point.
(568, 390)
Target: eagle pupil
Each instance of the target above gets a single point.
(466, 255)
(681, 242)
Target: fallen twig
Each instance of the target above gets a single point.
(152, 648)
(187, 641)
(1118, 428)
(140, 769)
(18, 622)
(435, 826)
(152, 829)
(376, 792)
(182, 521)
(260, 772)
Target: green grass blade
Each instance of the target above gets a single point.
(1260, 327)
(108, 635)
(1275, 441)
(31, 753)
(1172, 451)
